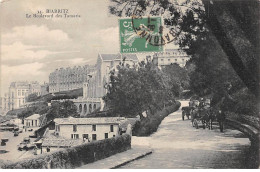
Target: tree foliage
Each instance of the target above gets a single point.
(132, 91)
(38, 108)
(32, 97)
(177, 75)
(223, 48)
(56, 110)
(62, 110)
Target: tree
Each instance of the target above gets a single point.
(62, 110)
(132, 91)
(177, 75)
(194, 20)
(32, 97)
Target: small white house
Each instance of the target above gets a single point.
(32, 121)
(87, 129)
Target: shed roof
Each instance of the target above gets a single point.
(82, 121)
(34, 116)
(111, 57)
(61, 142)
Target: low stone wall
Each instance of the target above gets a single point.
(250, 131)
(75, 156)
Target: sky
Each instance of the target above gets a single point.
(31, 48)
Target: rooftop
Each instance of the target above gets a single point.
(111, 57)
(34, 116)
(103, 120)
(61, 142)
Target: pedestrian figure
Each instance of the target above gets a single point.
(221, 118)
(222, 101)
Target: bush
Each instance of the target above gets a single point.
(150, 124)
(76, 156)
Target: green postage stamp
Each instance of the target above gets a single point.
(141, 35)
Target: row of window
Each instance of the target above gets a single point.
(86, 137)
(28, 123)
(85, 108)
(94, 128)
(170, 60)
(21, 92)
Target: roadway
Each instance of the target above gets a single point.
(176, 144)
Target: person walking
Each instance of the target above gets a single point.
(221, 119)
(222, 101)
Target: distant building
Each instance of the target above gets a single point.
(44, 89)
(32, 121)
(17, 93)
(89, 129)
(94, 85)
(65, 79)
(170, 56)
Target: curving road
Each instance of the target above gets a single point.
(177, 144)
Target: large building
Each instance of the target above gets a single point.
(170, 56)
(94, 87)
(65, 79)
(17, 93)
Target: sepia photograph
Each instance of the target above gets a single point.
(129, 84)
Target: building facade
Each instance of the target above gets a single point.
(44, 89)
(32, 121)
(90, 129)
(17, 93)
(65, 79)
(170, 56)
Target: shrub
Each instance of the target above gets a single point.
(150, 124)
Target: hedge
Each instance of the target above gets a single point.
(75, 156)
(148, 125)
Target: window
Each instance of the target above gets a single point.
(111, 128)
(74, 136)
(161, 59)
(74, 127)
(106, 135)
(80, 108)
(85, 136)
(94, 128)
(57, 128)
(169, 59)
(32, 122)
(94, 137)
(176, 60)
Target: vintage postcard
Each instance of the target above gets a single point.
(129, 84)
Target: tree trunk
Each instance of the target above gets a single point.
(233, 41)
